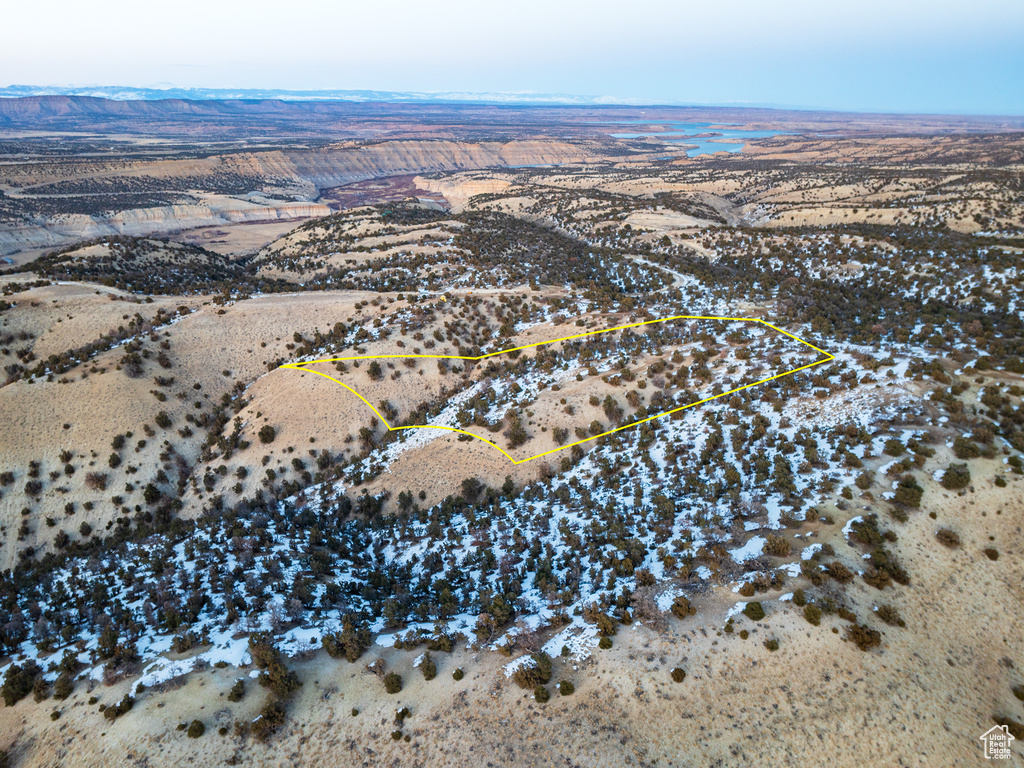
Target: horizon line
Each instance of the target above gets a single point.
(384, 96)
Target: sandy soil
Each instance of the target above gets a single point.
(238, 239)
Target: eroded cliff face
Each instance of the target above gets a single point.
(318, 169)
(458, 190)
(299, 174)
(343, 165)
(212, 210)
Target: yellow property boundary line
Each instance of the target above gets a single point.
(302, 367)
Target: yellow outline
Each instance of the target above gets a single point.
(301, 367)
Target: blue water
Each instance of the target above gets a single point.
(703, 146)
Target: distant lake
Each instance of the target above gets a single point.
(704, 146)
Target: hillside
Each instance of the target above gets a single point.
(211, 511)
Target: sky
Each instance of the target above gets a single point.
(938, 56)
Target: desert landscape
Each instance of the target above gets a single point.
(420, 435)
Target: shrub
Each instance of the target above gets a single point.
(644, 578)
(40, 689)
(237, 692)
(63, 686)
(753, 611)
(262, 651)
(428, 667)
(516, 434)
(458, 674)
(678, 674)
(280, 679)
(18, 682)
(441, 643)
(533, 673)
(839, 572)
(890, 615)
(267, 434)
(604, 643)
(163, 420)
(964, 448)
(908, 493)
(884, 569)
(799, 598)
(894, 447)
(471, 488)
(353, 639)
(196, 729)
(812, 613)
(114, 461)
(877, 578)
(771, 645)
(867, 533)
(777, 546)
(681, 608)
(96, 481)
(376, 371)
(1015, 728)
(566, 688)
(123, 706)
(276, 676)
(863, 637)
(992, 553)
(541, 694)
(392, 682)
(151, 494)
(271, 718)
(955, 477)
(605, 624)
(132, 364)
(947, 538)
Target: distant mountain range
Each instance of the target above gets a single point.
(128, 93)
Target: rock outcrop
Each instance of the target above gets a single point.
(301, 173)
(211, 211)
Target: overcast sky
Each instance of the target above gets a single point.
(893, 55)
